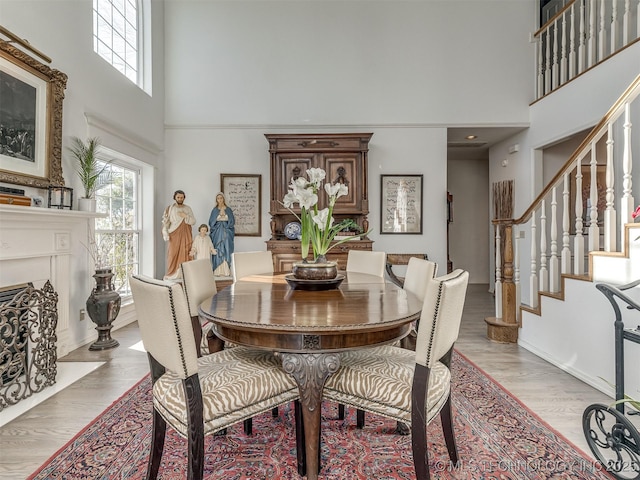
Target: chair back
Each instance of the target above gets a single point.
(165, 324)
(199, 283)
(244, 264)
(441, 316)
(373, 263)
(419, 274)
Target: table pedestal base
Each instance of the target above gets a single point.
(310, 371)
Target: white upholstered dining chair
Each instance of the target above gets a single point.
(360, 261)
(199, 396)
(244, 264)
(410, 387)
(199, 284)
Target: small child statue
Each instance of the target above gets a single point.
(202, 246)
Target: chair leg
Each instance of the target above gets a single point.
(418, 422)
(197, 333)
(248, 426)
(274, 412)
(360, 418)
(157, 445)
(215, 344)
(195, 436)
(340, 411)
(446, 419)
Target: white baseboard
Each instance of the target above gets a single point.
(596, 383)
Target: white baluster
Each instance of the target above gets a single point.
(555, 66)
(601, 32)
(554, 268)
(547, 62)
(533, 277)
(594, 230)
(637, 18)
(614, 27)
(626, 22)
(540, 67)
(610, 239)
(566, 249)
(516, 269)
(591, 36)
(582, 39)
(544, 274)
(498, 288)
(626, 203)
(578, 241)
(572, 43)
(563, 50)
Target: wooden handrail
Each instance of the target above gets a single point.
(554, 18)
(580, 151)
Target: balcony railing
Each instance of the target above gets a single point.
(581, 35)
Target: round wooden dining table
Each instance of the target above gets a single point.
(308, 329)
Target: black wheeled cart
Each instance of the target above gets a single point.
(612, 437)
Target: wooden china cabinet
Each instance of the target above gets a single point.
(344, 157)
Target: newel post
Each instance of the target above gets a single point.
(505, 328)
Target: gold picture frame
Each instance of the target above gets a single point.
(31, 128)
(243, 193)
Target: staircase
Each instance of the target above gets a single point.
(578, 232)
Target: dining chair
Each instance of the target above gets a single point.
(400, 259)
(419, 273)
(410, 387)
(362, 261)
(372, 263)
(244, 264)
(199, 284)
(199, 396)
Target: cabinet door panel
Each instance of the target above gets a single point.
(292, 165)
(343, 168)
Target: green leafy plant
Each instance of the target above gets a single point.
(88, 166)
(626, 398)
(349, 225)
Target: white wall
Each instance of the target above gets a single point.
(98, 101)
(469, 232)
(202, 154)
(403, 70)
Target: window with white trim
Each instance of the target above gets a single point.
(117, 35)
(118, 235)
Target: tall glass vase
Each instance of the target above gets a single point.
(103, 306)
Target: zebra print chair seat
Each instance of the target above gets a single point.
(199, 396)
(408, 386)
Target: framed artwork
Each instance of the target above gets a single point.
(401, 204)
(243, 193)
(31, 97)
(601, 185)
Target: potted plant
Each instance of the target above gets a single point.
(89, 169)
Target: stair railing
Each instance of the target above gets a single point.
(581, 35)
(584, 211)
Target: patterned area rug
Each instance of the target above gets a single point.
(497, 437)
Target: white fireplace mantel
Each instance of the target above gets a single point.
(40, 244)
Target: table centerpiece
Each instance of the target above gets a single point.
(317, 226)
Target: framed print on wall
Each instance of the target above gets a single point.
(243, 193)
(401, 204)
(31, 97)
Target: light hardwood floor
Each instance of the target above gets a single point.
(28, 441)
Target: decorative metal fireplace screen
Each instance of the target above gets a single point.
(28, 320)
